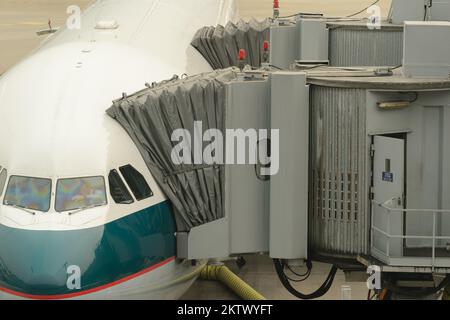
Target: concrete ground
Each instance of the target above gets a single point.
(20, 19)
(260, 274)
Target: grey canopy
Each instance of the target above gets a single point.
(151, 116)
(220, 45)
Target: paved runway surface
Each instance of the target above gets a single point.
(260, 274)
(20, 19)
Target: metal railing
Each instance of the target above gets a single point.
(389, 211)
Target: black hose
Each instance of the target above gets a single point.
(279, 267)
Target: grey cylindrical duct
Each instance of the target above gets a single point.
(344, 116)
(338, 217)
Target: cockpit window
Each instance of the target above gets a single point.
(136, 182)
(28, 193)
(80, 193)
(118, 190)
(3, 175)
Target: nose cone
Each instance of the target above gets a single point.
(47, 262)
(61, 264)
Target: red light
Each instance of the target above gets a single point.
(266, 45)
(242, 55)
(276, 4)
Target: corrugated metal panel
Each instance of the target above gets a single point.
(338, 199)
(350, 46)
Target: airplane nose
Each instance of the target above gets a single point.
(70, 263)
(46, 262)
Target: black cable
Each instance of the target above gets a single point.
(302, 14)
(416, 96)
(291, 15)
(309, 267)
(297, 280)
(317, 294)
(365, 9)
(271, 65)
(297, 274)
(396, 67)
(312, 14)
(303, 277)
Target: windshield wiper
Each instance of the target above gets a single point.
(85, 208)
(21, 208)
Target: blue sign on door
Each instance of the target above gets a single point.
(388, 176)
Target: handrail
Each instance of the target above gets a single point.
(389, 236)
(383, 205)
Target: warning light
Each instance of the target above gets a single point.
(265, 56)
(242, 55)
(276, 9)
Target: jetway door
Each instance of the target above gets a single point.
(388, 188)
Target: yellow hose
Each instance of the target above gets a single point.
(227, 277)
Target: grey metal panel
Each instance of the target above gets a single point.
(208, 241)
(283, 45)
(359, 46)
(339, 197)
(404, 10)
(247, 197)
(289, 187)
(314, 40)
(440, 11)
(427, 50)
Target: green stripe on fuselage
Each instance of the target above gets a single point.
(37, 262)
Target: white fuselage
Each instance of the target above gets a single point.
(54, 125)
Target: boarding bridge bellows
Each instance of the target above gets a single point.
(228, 209)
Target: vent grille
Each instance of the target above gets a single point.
(350, 46)
(339, 199)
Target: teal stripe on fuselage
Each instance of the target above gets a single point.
(36, 262)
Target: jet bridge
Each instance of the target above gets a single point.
(314, 38)
(305, 39)
(362, 166)
(237, 207)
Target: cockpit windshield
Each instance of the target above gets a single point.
(28, 193)
(3, 176)
(80, 193)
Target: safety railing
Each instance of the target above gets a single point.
(389, 213)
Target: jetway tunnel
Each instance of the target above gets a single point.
(233, 204)
(304, 39)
